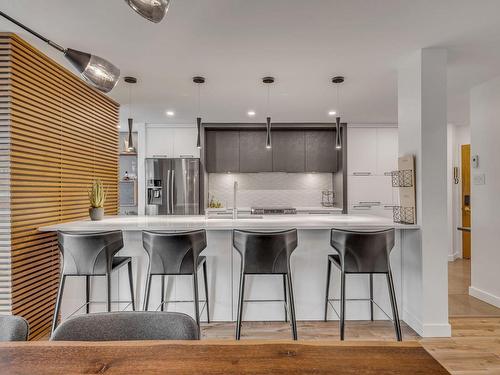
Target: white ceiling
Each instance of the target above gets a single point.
(234, 43)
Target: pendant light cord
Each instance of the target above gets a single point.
(33, 32)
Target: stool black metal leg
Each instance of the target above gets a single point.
(207, 304)
(395, 314)
(147, 292)
(292, 306)
(131, 284)
(328, 276)
(58, 302)
(162, 300)
(240, 306)
(342, 305)
(371, 297)
(108, 281)
(87, 293)
(196, 300)
(284, 294)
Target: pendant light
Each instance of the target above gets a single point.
(199, 81)
(338, 80)
(152, 10)
(95, 70)
(130, 145)
(268, 81)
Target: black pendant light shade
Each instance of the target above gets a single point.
(268, 81)
(198, 124)
(199, 81)
(338, 138)
(338, 80)
(268, 133)
(152, 10)
(130, 146)
(94, 69)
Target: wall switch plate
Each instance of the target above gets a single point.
(475, 161)
(479, 179)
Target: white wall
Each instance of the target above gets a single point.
(485, 199)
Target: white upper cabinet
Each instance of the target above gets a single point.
(361, 151)
(185, 143)
(171, 142)
(387, 151)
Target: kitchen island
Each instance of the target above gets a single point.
(308, 262)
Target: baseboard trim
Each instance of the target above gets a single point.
(453, 257)
(437, 330)
(413, 322)
(484, 296)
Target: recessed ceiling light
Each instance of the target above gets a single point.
(251, 113)
(332, 113)
(170, 113)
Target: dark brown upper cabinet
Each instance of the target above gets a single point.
(321, 155)
(288, 151)
(222, 151)
(254, 156)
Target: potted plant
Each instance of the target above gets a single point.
(97, 197)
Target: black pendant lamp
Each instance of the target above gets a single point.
(268, 81)
(152, 10)
(130, 144)
(199, 81)
(95, 70)
(338, 80)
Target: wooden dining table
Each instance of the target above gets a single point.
(217, 357)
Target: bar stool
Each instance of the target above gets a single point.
(91, 254)
(266, 253)
(362, 253)
(175, 254)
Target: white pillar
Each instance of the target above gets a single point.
(422, 107)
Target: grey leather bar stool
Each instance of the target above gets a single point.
(266, 253)
(174, 254)
(91, 254)
(362, 253)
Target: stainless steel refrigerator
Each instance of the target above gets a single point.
(172, 186)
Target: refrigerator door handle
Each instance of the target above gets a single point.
(172, 181)
(168, 191)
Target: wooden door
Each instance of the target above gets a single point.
(466, 208)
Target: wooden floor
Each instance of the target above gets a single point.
(460, 304)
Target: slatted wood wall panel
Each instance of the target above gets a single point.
(63, 134)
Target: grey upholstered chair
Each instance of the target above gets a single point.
(362, 253)
(91, 254)
(128, 325)
(176, 253)
(13, 328)
(266, 253)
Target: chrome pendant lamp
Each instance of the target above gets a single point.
(130, 144)
(95, 70)
(199, 81)
(268, 81)
(338, 80)
(152, 10)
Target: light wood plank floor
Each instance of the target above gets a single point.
(460, 303)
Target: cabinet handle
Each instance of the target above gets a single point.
(160, 156)
(389, 207)
(361, 207)
(368, 203)
(361, 173)
(387, 173)
(186, 155)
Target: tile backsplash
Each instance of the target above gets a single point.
(270, 189)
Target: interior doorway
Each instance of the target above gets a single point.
(466, 202)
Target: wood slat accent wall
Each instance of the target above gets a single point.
(56, 135)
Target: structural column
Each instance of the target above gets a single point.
(422, 117)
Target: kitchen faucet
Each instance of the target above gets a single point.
(235, 209)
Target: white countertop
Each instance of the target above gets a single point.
(268, 222)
